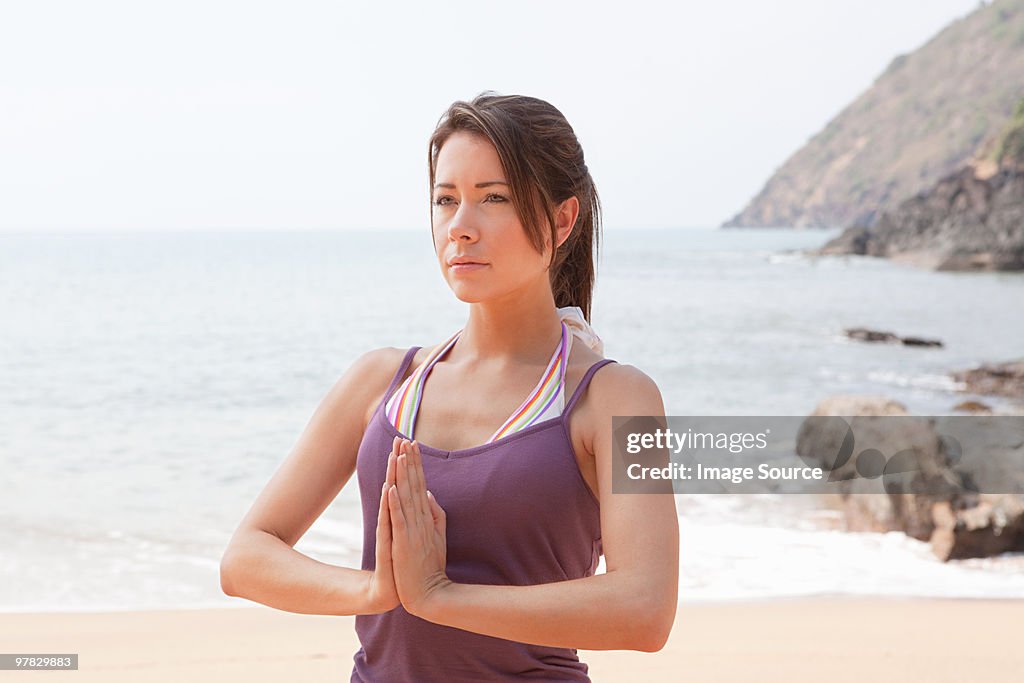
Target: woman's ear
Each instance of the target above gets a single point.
(565, 218)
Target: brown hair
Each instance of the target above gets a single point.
(544, 166)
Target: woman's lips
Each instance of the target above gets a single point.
(462, 268)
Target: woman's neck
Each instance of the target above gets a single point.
(516, 332)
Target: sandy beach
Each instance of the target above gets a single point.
(834, 639)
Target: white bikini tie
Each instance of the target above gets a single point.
(578, 325)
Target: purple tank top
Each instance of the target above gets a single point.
(519, 513)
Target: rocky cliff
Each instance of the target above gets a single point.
(972, 219)
(930, 113)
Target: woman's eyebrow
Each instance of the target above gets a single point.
(479, 185)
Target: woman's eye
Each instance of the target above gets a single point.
(494, 198)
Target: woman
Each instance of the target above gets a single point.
(480, 544)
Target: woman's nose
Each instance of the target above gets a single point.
(462, 226)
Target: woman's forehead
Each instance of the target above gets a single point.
(467, 154)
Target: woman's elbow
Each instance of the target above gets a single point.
(225, 577)
(657, 626)
(229, 572)
(654, 641)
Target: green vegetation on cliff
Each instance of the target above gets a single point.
(1010, 150)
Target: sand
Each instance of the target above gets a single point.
(819, 639)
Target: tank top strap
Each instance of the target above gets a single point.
(409, 355)
(583, 384)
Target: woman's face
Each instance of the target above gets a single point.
(474, 219)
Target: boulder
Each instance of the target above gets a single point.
(993, 524)
(973, 407)
(928, 500)
(999, 379)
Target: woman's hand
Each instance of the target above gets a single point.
(382, 593)
(419, 545)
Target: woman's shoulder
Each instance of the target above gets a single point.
(614, 389)
(623, 389)
(374, 371)
(385, 361)
(378, 361)
(613, 376)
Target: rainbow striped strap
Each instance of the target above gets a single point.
(405, 404)
(403, 407)
(543, 395)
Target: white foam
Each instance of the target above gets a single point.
(730, 561)
(933, 382)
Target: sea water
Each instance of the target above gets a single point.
(152, 382)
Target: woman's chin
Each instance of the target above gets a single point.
(467, 297)
(466, 292)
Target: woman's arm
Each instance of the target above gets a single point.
(261, 567)
(260, 562)
(632, 606)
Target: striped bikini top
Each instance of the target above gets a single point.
(547, 400)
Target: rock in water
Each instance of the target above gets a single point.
(993, 525)
(929, 501)
(973, 407)
(920, 341)
(999, 379)
(864, 334)
(868, 335)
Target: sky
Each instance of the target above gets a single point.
(316, 115)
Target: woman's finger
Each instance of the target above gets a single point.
(397, 516)
(389, 468)
(383, 525)
(415, 514)
(385, 514)
(436, 511)
(440, 518)
(405, 498)
(418, 479)
(389, 473)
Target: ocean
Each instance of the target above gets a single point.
(152, 382)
